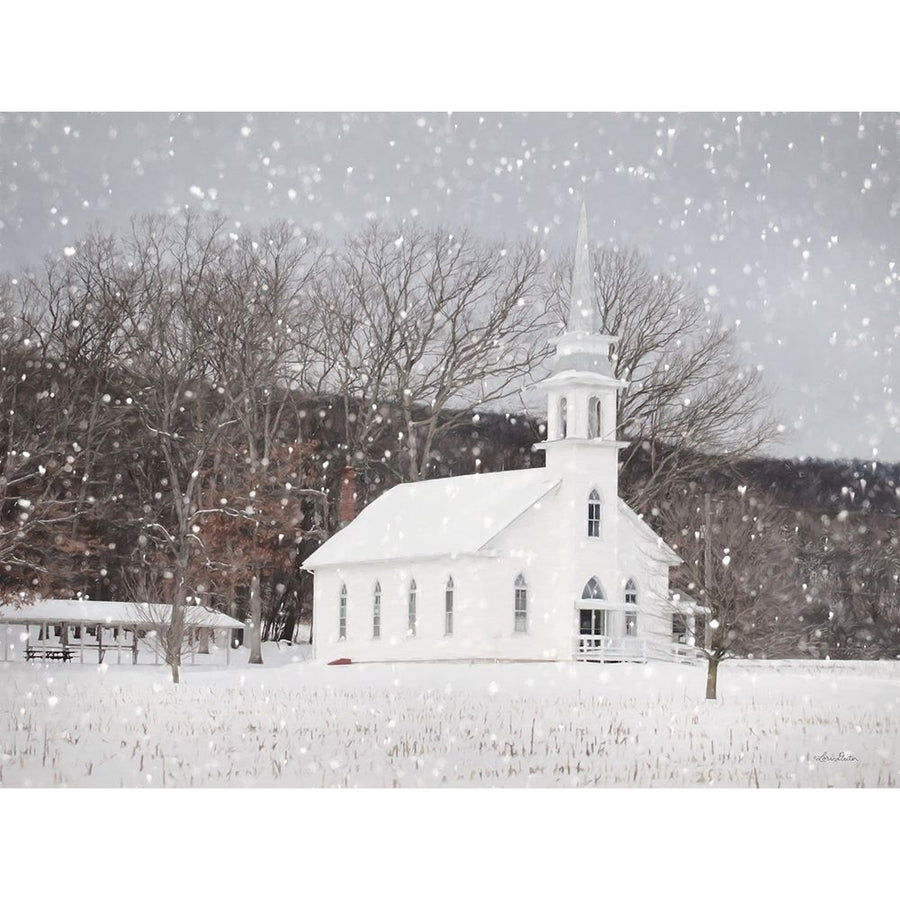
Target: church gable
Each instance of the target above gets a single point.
(529, 535)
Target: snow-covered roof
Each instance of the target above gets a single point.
(440, 517)
(98, 612)
(685, 603)
(668, 554)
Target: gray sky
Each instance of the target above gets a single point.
(789, 224)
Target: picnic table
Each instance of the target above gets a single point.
(63, 653)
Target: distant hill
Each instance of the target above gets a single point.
(828, 486)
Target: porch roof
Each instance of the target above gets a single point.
(683, 602)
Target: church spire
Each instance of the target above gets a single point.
(581, 316)
(582, 386)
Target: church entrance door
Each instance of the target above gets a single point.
(592, 628)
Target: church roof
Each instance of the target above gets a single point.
(441, 517)
(583, 362)
(671, 557)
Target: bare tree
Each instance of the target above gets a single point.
(183, 418)
(259, 527)
(852, 567)
(88, 300)
(739, 554)
(358, 338)
(150, 591)
(687, 398)
(431, 324)
(258, 319)
(43, 444)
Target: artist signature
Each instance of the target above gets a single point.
(841, 757)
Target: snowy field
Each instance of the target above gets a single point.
(295, 723)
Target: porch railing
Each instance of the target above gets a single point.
(601, 648)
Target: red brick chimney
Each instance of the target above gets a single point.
(348, 496)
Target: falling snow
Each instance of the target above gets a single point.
(788, 222)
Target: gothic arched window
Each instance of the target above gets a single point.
(376, 611)
(411, 623)
(594, 420)
(593, 516)
(631, 610)
(521, 605)
(342, 613)
(448, 607)
(563, 416)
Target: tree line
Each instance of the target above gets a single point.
(179, 400)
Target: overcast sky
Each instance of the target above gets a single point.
(789, 224)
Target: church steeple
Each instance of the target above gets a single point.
(582, 389)
(582, 316)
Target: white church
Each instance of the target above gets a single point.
(537, 564)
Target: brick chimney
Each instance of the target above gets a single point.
(348, 496)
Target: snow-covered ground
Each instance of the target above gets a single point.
(296, 723)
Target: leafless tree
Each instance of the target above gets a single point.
(739, 562)
(151, 592)
(46, 433)
(853, 570)
(179, 406)
(259, 321)
(432, 324)
(687, 397)
(256, 526)
(88, 300)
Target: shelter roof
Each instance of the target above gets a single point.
(99, 612)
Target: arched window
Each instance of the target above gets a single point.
(594, 514)
(376, 612)
(594, 420)
(592, 590)
(563, 415)
(448, 607)
(342, 614)
(631, 611)
(521, 605)
(411, 624)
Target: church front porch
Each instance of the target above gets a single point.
(603, 648)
